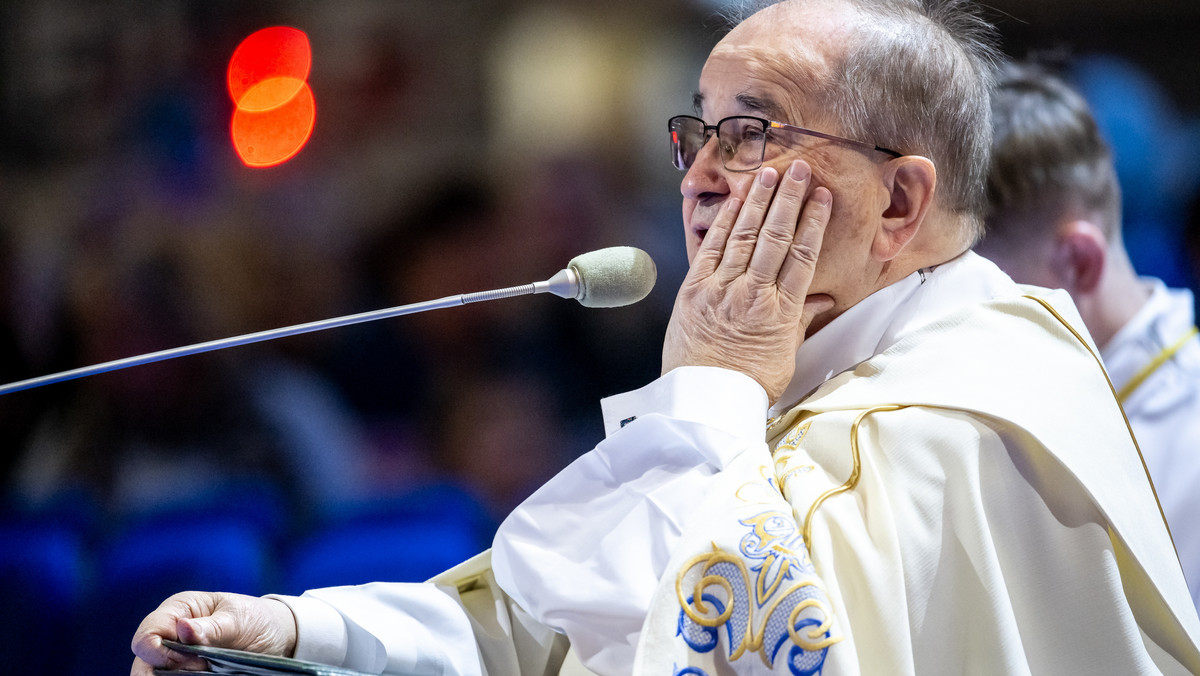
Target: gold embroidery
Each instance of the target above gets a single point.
(816, 639)
(782, 473)
(766, 488)
(855, 471)
(785, 452)
(712, 558)
(791, 441)
(772, 540)
(751, 636)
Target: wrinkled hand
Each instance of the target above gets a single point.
(744, 304)
(214, 619)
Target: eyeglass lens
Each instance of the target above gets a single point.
(741, 141)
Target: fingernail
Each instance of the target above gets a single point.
(767, 177)
(799, 171)
(733, 204)
(822, 196)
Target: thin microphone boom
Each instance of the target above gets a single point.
(249, 338)
(571, 282)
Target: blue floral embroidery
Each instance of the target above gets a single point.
(778, 545)
(700, 638)
(803, 662)
(783, 591)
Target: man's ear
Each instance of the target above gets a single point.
(1079, 255)
(910, 180)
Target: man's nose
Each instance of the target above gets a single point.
(705, 179)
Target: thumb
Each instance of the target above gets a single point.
(814, 306)
(201, 630)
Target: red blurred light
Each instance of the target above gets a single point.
(275, 109)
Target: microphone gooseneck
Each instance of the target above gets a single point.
(604, 278)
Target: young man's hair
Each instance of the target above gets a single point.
(1049, 160)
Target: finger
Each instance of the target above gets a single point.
(185, 661)
(815, 305)
(708, 257)
(198, 631)
(221, 629)
(141, 668)
(150, 653)
(740, 246)
(780, 226)
(797, 271)
(160, 624)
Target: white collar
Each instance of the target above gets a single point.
(880, 320)
(1163, 319)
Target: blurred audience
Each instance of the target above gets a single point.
(511, 420)
(132, 229)
(132, 437)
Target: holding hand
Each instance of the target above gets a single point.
(215, 619)
(744, 304)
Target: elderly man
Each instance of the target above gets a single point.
(1055, 221)
(870, 452)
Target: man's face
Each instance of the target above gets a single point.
(770, 66)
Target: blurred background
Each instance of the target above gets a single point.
(460, 145)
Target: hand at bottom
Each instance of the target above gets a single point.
(215, 619)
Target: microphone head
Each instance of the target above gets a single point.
(613, 277)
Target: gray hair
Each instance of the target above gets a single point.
(916, 79)
(1049, 159)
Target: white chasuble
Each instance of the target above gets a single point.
(933, 510)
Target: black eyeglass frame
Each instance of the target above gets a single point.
(711, 130)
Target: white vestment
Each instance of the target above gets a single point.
(963, 497)
(1164, 409)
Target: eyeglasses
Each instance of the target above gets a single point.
(741, 140)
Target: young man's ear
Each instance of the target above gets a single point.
(910, 181)
(1079, 255)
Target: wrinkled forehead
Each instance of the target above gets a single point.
(783, 56)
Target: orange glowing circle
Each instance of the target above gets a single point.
(264, 138)
(275, 110)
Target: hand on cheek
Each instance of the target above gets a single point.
(744, 304)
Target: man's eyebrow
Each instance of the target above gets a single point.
(762, 105)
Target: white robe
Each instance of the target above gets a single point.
(1165, 410)
(984, 545)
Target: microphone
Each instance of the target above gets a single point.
(612, 277)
